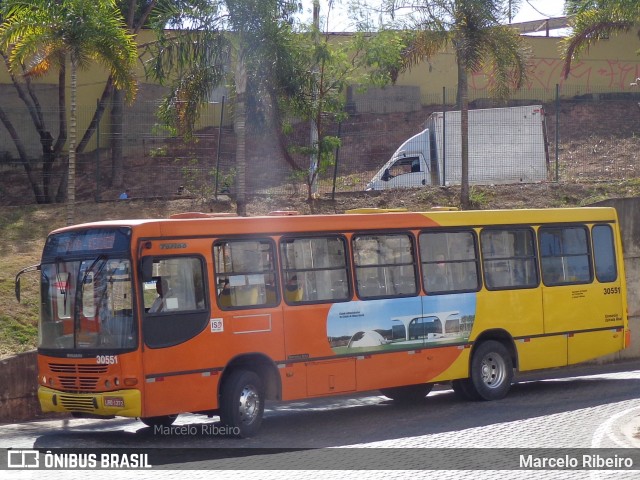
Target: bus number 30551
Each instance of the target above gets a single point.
(107, 359)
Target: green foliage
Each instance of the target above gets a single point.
(22, 335)
(383, 54)
(39, 34)
(321, 68)
(200, 182)
(594, 20)
(478, 198)
(158, 151)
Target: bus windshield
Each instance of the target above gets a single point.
(86, 296)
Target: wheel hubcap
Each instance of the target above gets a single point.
(249, 404)
(493, 370)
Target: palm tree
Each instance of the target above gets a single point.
(593, 20)
(49, 34)
(480, 42)
(257, 29)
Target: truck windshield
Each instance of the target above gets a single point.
(86, 304)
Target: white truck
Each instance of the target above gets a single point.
(506, 145)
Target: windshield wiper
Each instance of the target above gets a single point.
(63, 287)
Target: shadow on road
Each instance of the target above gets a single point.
(344, 420)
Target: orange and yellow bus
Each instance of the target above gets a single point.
(216, 314)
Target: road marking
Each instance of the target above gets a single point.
(605, 430)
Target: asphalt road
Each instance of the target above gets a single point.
(581, 409)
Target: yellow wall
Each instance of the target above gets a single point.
(609, 66)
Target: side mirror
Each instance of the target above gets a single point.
(385, 175)
(147, 269)
(32, 268)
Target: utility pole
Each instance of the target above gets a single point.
(313, 126)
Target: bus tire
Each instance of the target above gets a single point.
(242, 403)
(464, 389)
(407, 393)
(161, 421)
(491, 370)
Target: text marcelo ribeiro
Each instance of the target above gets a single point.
(203, 429)
(579, 462)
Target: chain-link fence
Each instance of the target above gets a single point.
(593, 137)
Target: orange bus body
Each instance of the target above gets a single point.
(307, 348)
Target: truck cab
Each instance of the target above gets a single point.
(408, 166)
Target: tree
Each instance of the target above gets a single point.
(197, 60)
(359, 60)
(270, 77)
(593, 20)
(474, 29)
(42, 35)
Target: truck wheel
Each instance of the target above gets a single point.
(491, 370)
(161, 421)
(242, 403)
(407, 393)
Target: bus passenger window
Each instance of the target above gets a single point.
(245, 273)
(508, 257)
(314, 269)
(384, 265)
(449, 262)
(564, 253)
(604, 253)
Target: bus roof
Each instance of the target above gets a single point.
(345, 222)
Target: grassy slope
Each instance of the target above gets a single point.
(23, 231)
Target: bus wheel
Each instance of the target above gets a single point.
(161, 421)
(491, 370)
(464, 389)
(408, 393)
(242, 403)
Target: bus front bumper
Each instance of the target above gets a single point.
(122, 403)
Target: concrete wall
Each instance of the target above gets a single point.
(18, 388)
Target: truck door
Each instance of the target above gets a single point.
(405, 172)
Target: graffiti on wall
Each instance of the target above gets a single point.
(545, 73)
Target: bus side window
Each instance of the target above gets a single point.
(245, 273)
(509, 258)
(314, 269)
(564, 253)
(385, 265)
(604, 253)
(449, 261)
